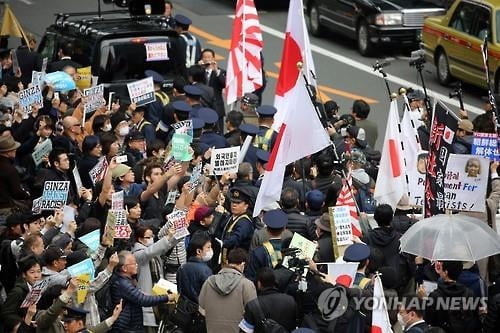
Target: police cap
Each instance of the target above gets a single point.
(356, 252)
(157, 78)
(266, 111)
(250, 99)
(182, 20)
(208, 115)
(249, 129)
(240, 194)
(198, 123)
(192, 91)
(181, 106)
(275, 219)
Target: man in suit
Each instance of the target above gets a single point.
(411, 315)
(215, 77)
(29, 60)
(65, 53)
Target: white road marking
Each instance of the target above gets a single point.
(369, 70)
(27, 2)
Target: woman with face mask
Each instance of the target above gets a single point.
(147, 253)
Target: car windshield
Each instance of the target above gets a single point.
(126, 59)
(497, 20)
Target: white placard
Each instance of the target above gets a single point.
(55, 194)
(29, 97)
(224, 160)
(342, 221)
(94, 98)
(142, 92)
(156, 51)
(41, 151)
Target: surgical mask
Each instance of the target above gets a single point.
(149, 242)
(124, 131)
(208, 256)
(8, 123)
(107, 128)
(401, 320)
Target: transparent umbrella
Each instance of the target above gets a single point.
(451, 237)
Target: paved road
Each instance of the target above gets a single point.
(343, 74)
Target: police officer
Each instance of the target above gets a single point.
(209, 135)
(245, 131)
(193, 98)
(189, 45)
(198, 125)
(269, 253)
(182, 111)
(260, 166)
(142, 125)
(155, 109)
(267, 136)
(239, 228)
(74, 320)
(359, 252)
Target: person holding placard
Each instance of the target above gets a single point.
(92, 151)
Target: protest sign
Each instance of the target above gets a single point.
(83, 267)
(94, 98)
(83, 286)
(61, 81)
(180, 147)
(37, 78)
(83, 77)
(35, 293)
(224, 160)
(122, 228)
(172, 195)
(36, 208)
(184, 127)
(45, 62)
(68, 217)
(464, 182)
(195, 179)
(163, 287)
(41, 151)
(142, 92)
(109, 228)
(92, 240)
(340, 220)
(117, 200)
(29, 97)
(306, 247)
(121, 159)
(99, 170)
(345, 271)
(486, 145)
(169, 162)
(78, 179)
(177, 220)
(55, 194)
(156, 51)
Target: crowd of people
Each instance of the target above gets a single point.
(230, 273)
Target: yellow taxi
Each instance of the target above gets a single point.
(453, 42)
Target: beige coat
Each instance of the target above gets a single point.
(223, 297)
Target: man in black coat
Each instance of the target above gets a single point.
(290, 203)
(411, 315)
(28, 59)
(215, 78)
(273, 304)
(65, 53)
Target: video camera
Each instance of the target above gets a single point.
(417, 58)
(294, 262)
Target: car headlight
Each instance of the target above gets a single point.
(389, 19)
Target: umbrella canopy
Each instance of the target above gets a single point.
(451, 237)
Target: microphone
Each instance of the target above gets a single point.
(378, 65)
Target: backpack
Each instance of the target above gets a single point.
(103, 299)
(8, 265)
(264, 325)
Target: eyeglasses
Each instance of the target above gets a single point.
(148, 237)
(77, 125)
(134, 264)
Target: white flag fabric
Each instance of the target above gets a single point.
(293, 54)
(380, 317)
(300, 135)
(391, 180)
(244, 66)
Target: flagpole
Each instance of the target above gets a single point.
(321, 113)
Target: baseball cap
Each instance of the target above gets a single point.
(120, 170)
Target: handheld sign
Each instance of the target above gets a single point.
(142, 92)
(117, 200)
(195, 179)
(42, 150)
(94, 98)
(29, 97)
(36, 208)
(225, 160)
(91, 239)
(78, 179)
(35, 293)
(83, 267)
(83, 286)
(122, 228)
(37, 78)
(177, 221)
(68, 217)
(180, 147)
(55, 194)
(184, 127)
(156, 51)
(486, 145)
(99, 170)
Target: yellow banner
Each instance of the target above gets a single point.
(83, 286)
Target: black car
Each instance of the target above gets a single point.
(372, 22)
(113, 45)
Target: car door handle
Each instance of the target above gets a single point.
(446, 37)
(468, 45)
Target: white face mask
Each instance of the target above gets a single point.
(401, 320)
(8, 123)
(106, 128)
(208, 256)
(124, 131)
(149, 242)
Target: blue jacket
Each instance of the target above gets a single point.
(240, 235)
(134, 299)
(191, 276)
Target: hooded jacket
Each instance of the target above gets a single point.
(224, 296)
